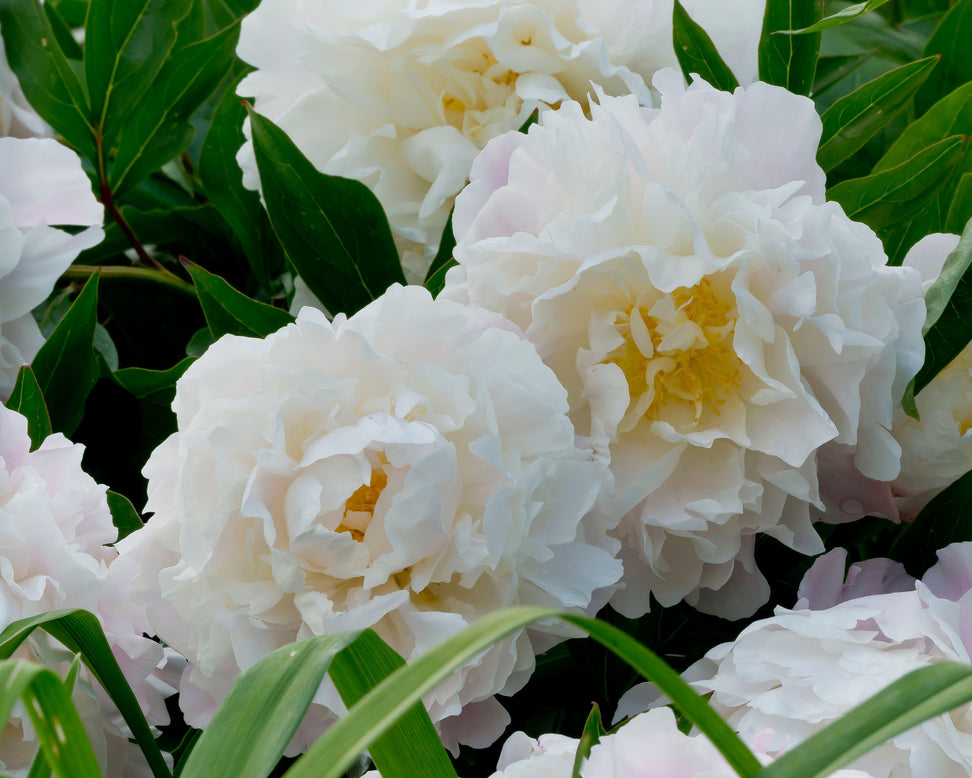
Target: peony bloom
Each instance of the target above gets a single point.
(408, 469)
(402, 96)
(42, 187)
(798, 671)
(54, 524)
(936, 450)
(714, 321)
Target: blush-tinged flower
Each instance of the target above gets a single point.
(54, 524)
(715, 322)
(42, 188)
(408, 469)
(403, 96)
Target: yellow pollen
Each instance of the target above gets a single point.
(363, 500)
(700, 372)
(451, 103)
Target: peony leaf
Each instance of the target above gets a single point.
(789, 60)
(830, 70)
(947, 328)
(332, 754)
(62, 737)
(66, 367)
(944, 520)
(590, 737)
(143, 382)
(262, 711)
(333, 229)
(850, 122)
(81, 632)
(960, 211)
(697, 53)
(125, 46)
(883, 200)
(158, 128)
(240, 207)
(123, 514)
(231, 312)
(28, 400)
(920, 695)
(842, 16)
(950, 40)
(411, 746)
(49, 83)
(435, 277)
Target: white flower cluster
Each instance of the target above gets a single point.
(402, 96)
(408, 469)
(54, 524)
(42, 188)
(800, 670)
(707, 312)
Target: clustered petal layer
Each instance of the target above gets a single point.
(42, 187)
(402, 96)
(54, 524)
(721, 330)
(408, 469)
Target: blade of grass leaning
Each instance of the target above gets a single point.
(40, 768)
(262, 711)
(920, 695)
(411, 746)
(60, 732)
(332, 754)
(81, 632)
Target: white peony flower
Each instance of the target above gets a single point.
(714, 321)
(402, 96)
(936, 450)
(42, 187)
(408, 469)
(802, 669)
(54, 524)
(825, 584)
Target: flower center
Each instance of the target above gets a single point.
(360, 506)
(678, 352)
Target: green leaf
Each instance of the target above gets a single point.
(948, 328)
(590, 737)
(143, 382)
(960, 210)
(40, 768)
(333, 229)
(231, 312)
(123, 514)
(28, 400)
(946, 519)
(240, 207)
(66, 367)
(125, 46)
(332, 754)
(951, 41)
(435, 277)
(262, 711)
(831, 70)
(411, 746)
(62, 33)
(842, 16)
(49, 83)
(852, 120)
(921, 694)
(48, 703)
(789, 60)
(884, 199)
(158, 128)
(697, 53)
(81, 632)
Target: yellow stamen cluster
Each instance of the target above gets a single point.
(363, 500)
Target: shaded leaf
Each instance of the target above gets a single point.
(951, 41)
(67, 367)
(143, 382)
(333, 229)
(960, 210)
(852, 120)
(411, 746)
(789, 60)
(123, 514)
(435, 277)
(831, 70)
(697, 53)
(28, 400)
(231, 312)
(844, 15)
